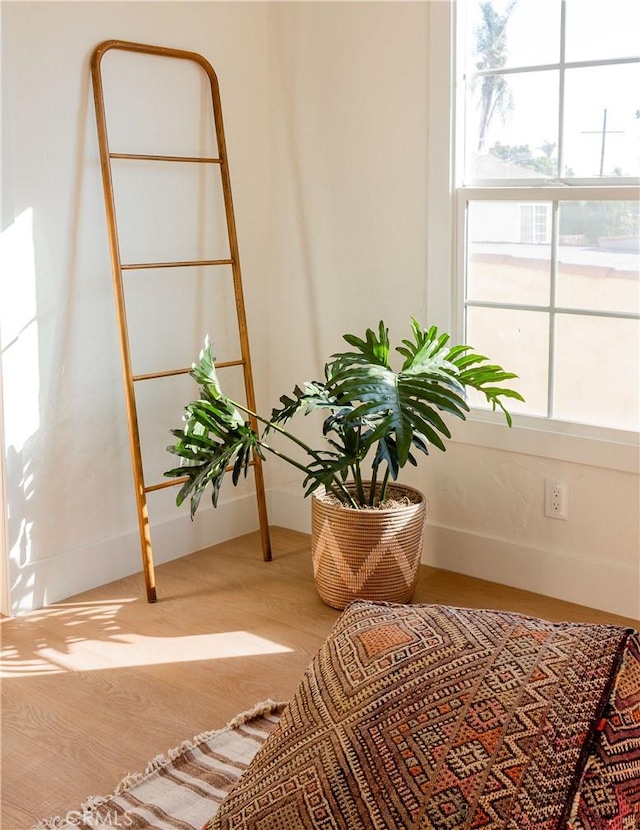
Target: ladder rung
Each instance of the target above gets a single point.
(148, 157)
(167, 374)
(171, 372)
(186, 264)
(164, 484)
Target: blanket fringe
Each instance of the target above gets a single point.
(93, 803)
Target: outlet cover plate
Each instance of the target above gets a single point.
(556, 500)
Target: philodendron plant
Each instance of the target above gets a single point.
(377, 418)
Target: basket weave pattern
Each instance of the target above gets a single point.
(367, 554)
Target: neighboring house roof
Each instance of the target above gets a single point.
(487, 166)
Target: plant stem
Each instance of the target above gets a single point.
(337, 487)
(385, 484)
(372, 492)
(284, 457)
(357, 472)
(357, 477)
(342, 494)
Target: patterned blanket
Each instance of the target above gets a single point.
(439, 718)
(609, 794)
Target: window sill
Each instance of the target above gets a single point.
(597, 447)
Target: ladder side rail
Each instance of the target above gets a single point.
(125, 353)
(240, 305)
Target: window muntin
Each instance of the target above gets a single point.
(552, 273)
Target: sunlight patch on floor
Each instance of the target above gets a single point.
(130, 650)
(90, 636)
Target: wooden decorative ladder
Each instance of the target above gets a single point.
(118, 268)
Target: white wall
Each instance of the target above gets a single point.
(349, 183)
(327, 117)
(72, 521)
(487, 518)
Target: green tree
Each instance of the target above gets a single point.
(491, 51)
(523, 156)
(596, 219)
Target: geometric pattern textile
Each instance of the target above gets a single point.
(433, 718)
(609, 797)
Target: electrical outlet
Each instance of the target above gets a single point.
(556, 499)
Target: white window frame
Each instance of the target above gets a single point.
(561, 440)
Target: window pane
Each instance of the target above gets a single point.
(509, 258)
(512, 126)
(519, 341)
(596, 372)
(601, 124)
(595, 30)
(599, 256)
(504, 33)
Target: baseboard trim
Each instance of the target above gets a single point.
(596, 584)
(46, 581)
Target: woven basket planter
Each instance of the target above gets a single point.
(367, 554)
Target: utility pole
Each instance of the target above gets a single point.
(604, 132)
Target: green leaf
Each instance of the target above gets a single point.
(313, 396)
(372, 410)
(374, 350)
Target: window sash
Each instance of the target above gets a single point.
(463, 179)
(553, 198)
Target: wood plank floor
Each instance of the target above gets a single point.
(97, 685)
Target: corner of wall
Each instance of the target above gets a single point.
(601, 585)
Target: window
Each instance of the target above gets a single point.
(534, 223)
(548, 150)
